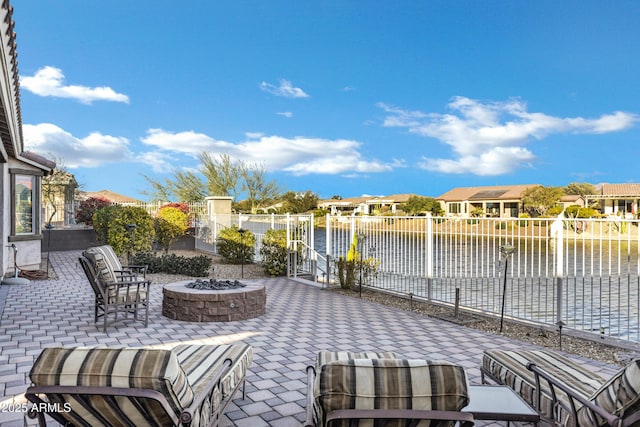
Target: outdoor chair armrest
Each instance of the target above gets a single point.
(574, 396)
(124, 287)
(465, 419)
(129, 283)
(137, 268)
(125, 275)
(311, 374)
(186, 417)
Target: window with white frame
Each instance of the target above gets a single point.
(455, 208)
(25, 191)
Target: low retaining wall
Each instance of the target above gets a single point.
(68, 239)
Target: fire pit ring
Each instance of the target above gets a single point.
(180, 302)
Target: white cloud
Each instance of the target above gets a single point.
(188, 142)
(489, 138)
(285, 89)
(297, 155)
(287, 114)
(49, 81)
(158, 161)
(93, 150)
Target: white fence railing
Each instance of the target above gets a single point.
(300, 232)
(583, 273)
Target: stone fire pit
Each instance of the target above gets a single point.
(221, 304)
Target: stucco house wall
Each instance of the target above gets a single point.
(15, 163)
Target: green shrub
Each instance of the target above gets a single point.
(196, 266)
(554, 211)
(274, 252)
(350, 269)
(236, 247)
(89, 207)
(169, 225)
(153, 262)
(111, 225)
(575, 211)
(525, 221)
(502, 225)
(183, 207)
(477, 213)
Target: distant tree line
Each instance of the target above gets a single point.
(226, 177)
(541, 200)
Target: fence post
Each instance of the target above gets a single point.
(288, 246)
(353, 230)
(327, 239)
(311, 247)
(557, 232)
(214, 232)
(429, 255)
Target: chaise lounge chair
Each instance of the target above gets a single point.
(564, 392)
(346, 389)
(189, 385)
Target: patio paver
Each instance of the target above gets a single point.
(300, 320)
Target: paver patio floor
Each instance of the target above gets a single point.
(300, 320)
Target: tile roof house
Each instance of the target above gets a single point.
(21, 171)
(618, 199)
(502, 201)
(111, 196)
(365, 205)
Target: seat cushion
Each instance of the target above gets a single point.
(152, 369)
(619, 396)
(132, 294)
(389, 384)
(510, 368)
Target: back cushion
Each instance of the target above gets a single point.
(326, 356)
(153, 369)
(619, 396)
(103, 270)
(389, 384)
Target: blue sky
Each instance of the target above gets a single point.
(337, 97)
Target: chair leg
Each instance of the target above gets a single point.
(146, 314)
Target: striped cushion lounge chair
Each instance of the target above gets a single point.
(189, 385)
(564, 392)
(347, 389)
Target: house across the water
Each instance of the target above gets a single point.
(617, 199)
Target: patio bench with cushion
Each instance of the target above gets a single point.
(351, 389)
(189, 385)
(564, 392)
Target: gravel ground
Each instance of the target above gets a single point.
(546, 337)
(220, 270)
